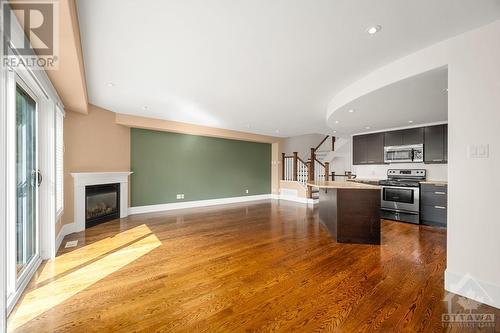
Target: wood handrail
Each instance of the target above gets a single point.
(323, 165)
(322, 141)
(298, 158)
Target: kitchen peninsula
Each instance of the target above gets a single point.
(350, 211)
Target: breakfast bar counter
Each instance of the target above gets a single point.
(350, 211)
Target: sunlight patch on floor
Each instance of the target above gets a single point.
(42, 299)
(78, 257)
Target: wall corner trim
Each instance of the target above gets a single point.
(469, 286)
(66, 229)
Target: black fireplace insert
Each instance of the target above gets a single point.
(102, 203)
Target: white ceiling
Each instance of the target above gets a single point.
(259, 66)
(421, 99)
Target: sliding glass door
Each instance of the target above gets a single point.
(27, 181)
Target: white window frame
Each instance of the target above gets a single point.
(47, 99)
(16, 285)
(38, 86)
(59, 149)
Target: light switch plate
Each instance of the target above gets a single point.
(478, 151)
(483, 151)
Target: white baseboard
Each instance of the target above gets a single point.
(473, 288)
(194, 204)
(66, 229)
(298, 199)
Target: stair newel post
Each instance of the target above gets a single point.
(282, 166)
(309, 178)
(313, 159)
(295, 165)
(327, 170)
(333, 143)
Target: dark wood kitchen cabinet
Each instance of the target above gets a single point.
(436, 144)
(411, 136)
(433, 204)
(368, 149)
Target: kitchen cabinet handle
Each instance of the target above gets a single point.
(371, 161)
(439, 207)
(438, 160)
(440, 193)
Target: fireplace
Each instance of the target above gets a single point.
(102, 203)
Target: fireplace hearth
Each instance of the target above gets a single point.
(102, 203)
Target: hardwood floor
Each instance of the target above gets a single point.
(261, 266)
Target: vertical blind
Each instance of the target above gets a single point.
(59, 161)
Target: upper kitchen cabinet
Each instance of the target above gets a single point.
(436, 144)
(368, 149)
(411, 136)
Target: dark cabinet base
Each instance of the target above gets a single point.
(351, 216)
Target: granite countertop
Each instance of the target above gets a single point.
(343, 185)
(361, 179)
(369, 181)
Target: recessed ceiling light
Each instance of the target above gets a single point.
(334, 131)
(373, 30)
(336, 121)
(351, 111)
(410, 121)
(367, 127)
(111, 84)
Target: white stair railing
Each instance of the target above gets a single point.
(288, 168)
(320, 171)
(295, 169)
(302, 172)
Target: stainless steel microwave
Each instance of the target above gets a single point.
(404, 154)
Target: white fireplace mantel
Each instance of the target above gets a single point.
(82, 179)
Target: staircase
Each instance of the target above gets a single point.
(317, 166)
(325, 154)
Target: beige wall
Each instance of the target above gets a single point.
(302, 144)
(92, 142)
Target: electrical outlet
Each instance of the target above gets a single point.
(246, 191)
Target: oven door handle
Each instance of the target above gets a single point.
(399, 211)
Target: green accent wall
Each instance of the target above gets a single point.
(166, 164)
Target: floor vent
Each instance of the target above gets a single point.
(71, 244)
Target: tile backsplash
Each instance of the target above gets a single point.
(434, 171)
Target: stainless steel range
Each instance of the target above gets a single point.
(401, 195)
